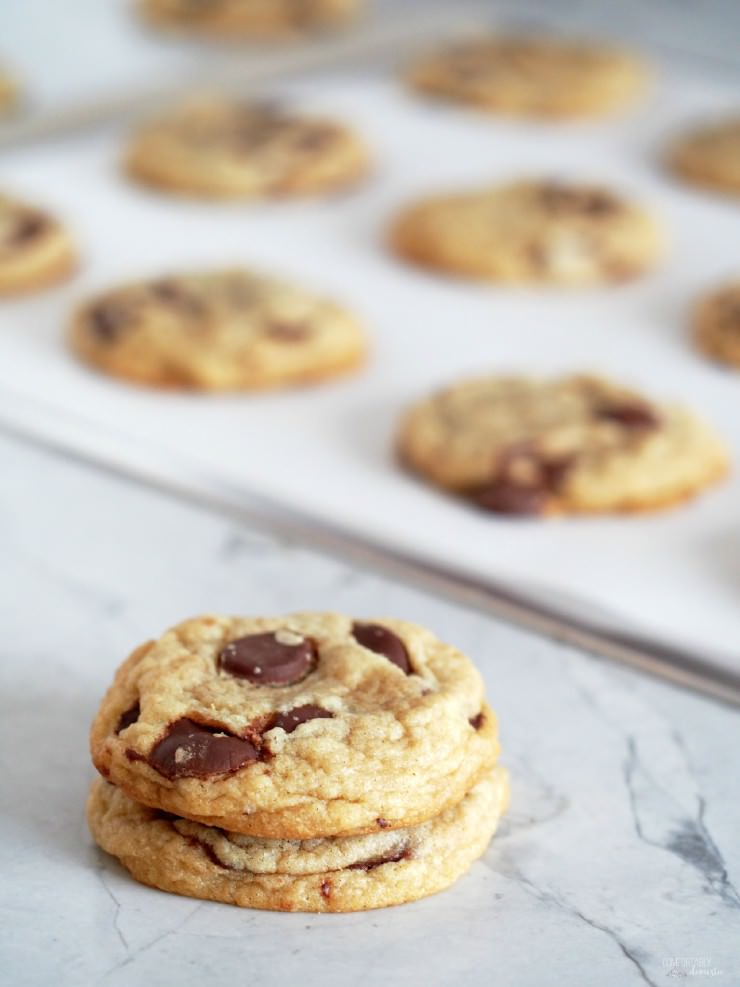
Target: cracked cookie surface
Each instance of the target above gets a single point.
(308, 725)
(221, 330)
(710, 156)
(234, 19)
(35, 249)
(535, 77)
(228, 149)
(530, 231)
(523, 446)
(716, 324)
(318, 875)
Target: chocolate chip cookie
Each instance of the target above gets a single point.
(298, 727)
(716, 324)
(35, 249)
(533, 77)
(235, 19)
(226, 149)
(222, 330)
(531, 231)
(521, 446)
(710, 156)
(316, 875)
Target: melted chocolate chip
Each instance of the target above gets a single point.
(165, 291)
(629, 415)
(503, 497)
(107, 320)
(285, 332)
(279, 657)
(191, 750)
(523, 482)
(209, 852)
(326, 889)
(27, 227)
(561, 198)
(314, 138)
(257, 125)
(293, 718)
(379, 639)
(477, 721)
(129, 717)
(391, 858)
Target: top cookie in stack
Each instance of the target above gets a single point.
(309, 749)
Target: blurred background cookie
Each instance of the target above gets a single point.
(35, 249)
(247, 18)
(219, 148)
(539, 77)
(8, 92)
(222, 330)
(531, 231)
(525, 446)
(710, 156)
(716, 324)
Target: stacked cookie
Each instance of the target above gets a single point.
(304, 763)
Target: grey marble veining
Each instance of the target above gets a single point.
(618, 864)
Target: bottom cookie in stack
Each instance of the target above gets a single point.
(302, 763)
(335, 874)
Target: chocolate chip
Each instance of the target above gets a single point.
(629, 415)
(191, 750)
(107, 320)
(326, 889)
(379, 639)
(208, 851)
(598, 204)
(279, 657)
(129, 717)
(523, 482)
(255, 126)
(503, 497)
(300, 714)
(383, 823)
(314, 138)
(175, 295)
(285, 332)
(477, 721)
(27, 227)
(561, 198)
(391, 858)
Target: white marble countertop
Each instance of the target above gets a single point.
(618, 863)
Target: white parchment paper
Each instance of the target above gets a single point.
(327, 451)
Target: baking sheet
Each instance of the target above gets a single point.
(327, 451)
